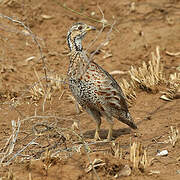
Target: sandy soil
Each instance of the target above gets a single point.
(139, 28)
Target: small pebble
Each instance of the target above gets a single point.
(162, 153)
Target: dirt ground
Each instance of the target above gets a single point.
(59, 152)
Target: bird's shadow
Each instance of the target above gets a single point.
(104, 132)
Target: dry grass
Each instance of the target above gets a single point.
(138, 156)
(116, 150)
(174, 136)
(55, 83)
(129, 90)
(174, 86)
(149, 75)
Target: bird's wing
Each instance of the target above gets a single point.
(110, 89)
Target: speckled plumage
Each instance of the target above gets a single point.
(93, 87)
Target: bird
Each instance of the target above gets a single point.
(94, 88)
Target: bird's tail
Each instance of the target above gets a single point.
(131, 124)
(128, 120)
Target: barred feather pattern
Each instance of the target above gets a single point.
(93, 87)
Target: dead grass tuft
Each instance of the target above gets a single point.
(174, 87)
(138, 156)
(129, 90)
(174, 136)
(48, 161)
(149, 75)
(116, 150)
(55, 84)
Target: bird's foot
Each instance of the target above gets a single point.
(109, 139)
(96, 137)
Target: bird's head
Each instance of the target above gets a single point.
(78, 30)
(76, 34)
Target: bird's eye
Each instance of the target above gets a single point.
(80, 27)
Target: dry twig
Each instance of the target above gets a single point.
(10, 144)
(33, 37)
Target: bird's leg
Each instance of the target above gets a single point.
(110, 121)
(78, 110)
(97, 118)
(109, 137)
(96, 136)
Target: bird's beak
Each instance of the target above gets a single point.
(89, 28)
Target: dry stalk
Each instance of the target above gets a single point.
(20, 151)
(149, 75)
(30, 176)
(102, 44)
(55, 83)
(104, 22)
(87, 148)
(129, 90)
(174, 136)
(87, 17)
(118, 151)
(45, 117)
(173, 54)
(39, 91)
(146, 77)
(174, 86)
(33, 37)
(76, 148)
(42, 58)
(99, 33)
(138, 156)
(106, 40)
(47, 160)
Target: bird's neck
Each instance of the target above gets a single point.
(79, 63)
(78, 58)
(77, 54)
(74, 43)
